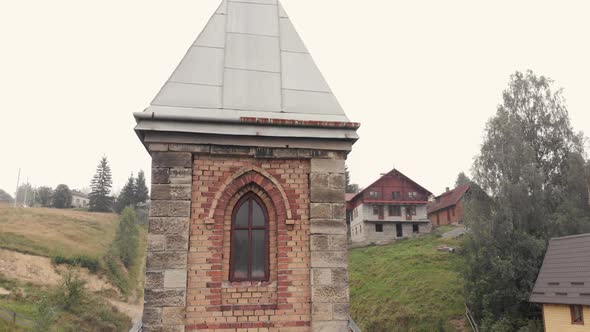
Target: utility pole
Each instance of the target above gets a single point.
(17, 183)
(26, 192)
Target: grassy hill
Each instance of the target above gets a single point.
(67, 236)
(407, 286)
(52, 232)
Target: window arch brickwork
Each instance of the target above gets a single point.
(213, 301)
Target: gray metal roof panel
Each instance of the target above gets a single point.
(252, 90)
(249, 62)
(201, 65)
(213, 35)
(253, 19)
(253, 52)
(564, 277)
(290, 40)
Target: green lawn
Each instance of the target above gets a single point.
(50, 232)
(407, 286)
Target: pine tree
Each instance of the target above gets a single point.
(351, 188)
(141, 190)
(127, 196)
(100, 199)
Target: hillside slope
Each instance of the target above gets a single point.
(407, 286)
(51, 232)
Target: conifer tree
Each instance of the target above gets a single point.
(127, 196)
(100, 199)
(141, 190)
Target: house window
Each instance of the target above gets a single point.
(577, 312)
(379, 228)
(412, 195)
(249, 240)
(395, 211)
(373, 194)
(376, 210)
(411, 210)
(396, 195)
(415, 228)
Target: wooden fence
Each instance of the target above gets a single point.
(16, 319)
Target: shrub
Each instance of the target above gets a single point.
(90, 263)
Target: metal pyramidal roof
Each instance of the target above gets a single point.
(248, 66)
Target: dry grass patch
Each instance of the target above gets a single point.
(51, 232)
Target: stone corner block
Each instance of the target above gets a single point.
(166, 260)
(171, 192)
(327, 166)
(164, 298)
(170, 208)
(172, 159)
(329, 326)
(329, 259)
(175, 278)
(173, 316)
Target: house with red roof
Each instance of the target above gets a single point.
(447, 208)
(392, 207)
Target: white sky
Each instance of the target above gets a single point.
(422, 77)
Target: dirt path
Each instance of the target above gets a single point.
(39, 270)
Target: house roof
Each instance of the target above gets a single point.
(349, 196)
(447, 199)
(248, 71)
(384, 175)
(565, 275)
(79, 194)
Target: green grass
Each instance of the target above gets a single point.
(92, 314)
(406, 286)
(55, 232)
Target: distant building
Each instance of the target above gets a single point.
(392, 207)
(563, 285)
(447, 208)
(79, 199)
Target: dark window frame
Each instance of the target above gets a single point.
(395, 211)
(573, 308)
(396, 195)
(415, 228)
(248, 198)
(379, 228)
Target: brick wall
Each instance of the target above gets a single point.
(281, 304)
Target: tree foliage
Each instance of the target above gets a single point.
(5, 197)
(127, 239)
(351, 188)
(531, 173)
(100, 199)
(25, 192)
(44, 196)
(134, 192)
(141, 189)
(127, 196)
(62, 197)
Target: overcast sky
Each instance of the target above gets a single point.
(422, 77)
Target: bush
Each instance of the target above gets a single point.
(71, 292)
(127, 240)
(90, 263)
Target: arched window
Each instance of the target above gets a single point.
(249, 240)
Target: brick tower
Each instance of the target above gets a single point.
(247, 220)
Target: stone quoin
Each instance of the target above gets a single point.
(247, 223)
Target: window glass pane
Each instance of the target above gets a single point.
(240, 252)
(257, 214)
(258, 253)
(242, 215)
